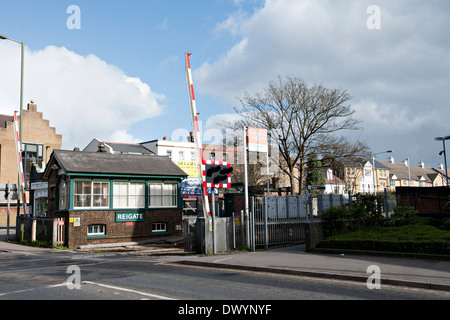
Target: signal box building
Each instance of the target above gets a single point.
(110, 198)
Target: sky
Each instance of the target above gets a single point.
(115, 70)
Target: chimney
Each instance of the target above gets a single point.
(191, 137)
(421, 164)
(165, 138)
(101, 147)
(405, 162)
(391, 160)
(76, 149)
(31, 106)
(441, 166)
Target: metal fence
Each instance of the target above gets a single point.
(283, 224)
(285, 220)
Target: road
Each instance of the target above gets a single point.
(65, 275)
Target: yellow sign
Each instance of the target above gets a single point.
(190, 167)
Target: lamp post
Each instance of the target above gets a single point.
(2, 37)
(445, 154)
(373, 169)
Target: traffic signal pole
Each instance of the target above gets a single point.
(213, 205)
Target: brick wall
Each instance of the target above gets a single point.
(12, 214)
(120, 231)
(314, 234)
(35, 130)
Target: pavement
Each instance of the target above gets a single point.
(431, 273)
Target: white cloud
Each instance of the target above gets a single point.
(398, 75)
(82, 96)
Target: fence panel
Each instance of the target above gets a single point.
(284, 223)
(42, 230)
(271, 221)
(286, 216)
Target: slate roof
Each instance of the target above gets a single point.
(129, 148)
(417, 172)
(107, 163)
(118, 147)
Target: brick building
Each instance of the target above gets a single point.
(109, 198)
(39, 140)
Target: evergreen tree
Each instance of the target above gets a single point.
(314, 173)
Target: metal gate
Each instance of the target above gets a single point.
(284, 223)
(271, 221)
(286, 218)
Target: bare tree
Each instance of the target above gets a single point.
(338, 153)
(302, 117)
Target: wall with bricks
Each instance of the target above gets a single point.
(12, 214)
(117, 232)
(36, 130)
(313, 235)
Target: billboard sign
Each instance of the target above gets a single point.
(257, 140)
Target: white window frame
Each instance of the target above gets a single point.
(96, 230)
(158, 196)
(130, 199)
(159, 227)
(92, 196)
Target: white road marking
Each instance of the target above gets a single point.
(129, 290)
(145, 294)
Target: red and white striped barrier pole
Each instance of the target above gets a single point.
(20, 164)
(197, 138)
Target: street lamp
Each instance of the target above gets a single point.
(2, 37)
(445, 154)
(373, 169)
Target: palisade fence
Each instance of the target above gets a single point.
(50, 231)
(283, 224)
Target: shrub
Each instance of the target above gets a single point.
(334, 220)
(364, 211)
(447, 224)
(402, 216)
(404, 212)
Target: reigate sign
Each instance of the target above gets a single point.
(130, 216)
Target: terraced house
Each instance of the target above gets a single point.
(106, 198)
(367, 178)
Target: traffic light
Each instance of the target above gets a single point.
(6, 191)
(218, 175)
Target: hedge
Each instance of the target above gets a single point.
(411, 239)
